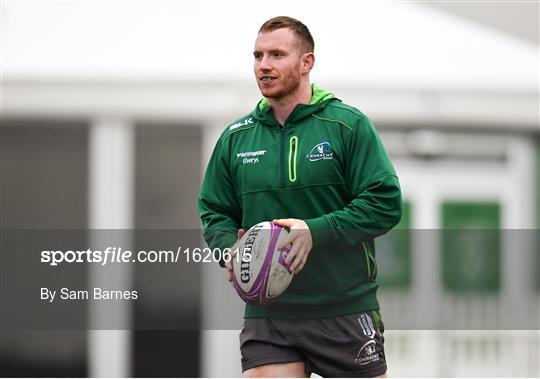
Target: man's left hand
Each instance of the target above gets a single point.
(300, 239)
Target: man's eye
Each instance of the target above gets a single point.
(276, 54)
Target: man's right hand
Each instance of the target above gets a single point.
(228, 264)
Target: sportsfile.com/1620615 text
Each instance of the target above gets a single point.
(118, 255)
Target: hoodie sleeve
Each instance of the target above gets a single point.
(376, 203)
(218, 206)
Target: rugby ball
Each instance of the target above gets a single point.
(260, 271)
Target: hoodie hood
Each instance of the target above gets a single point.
(319, 99)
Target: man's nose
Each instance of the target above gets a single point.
(264, 64)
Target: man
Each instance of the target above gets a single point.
(315, 165)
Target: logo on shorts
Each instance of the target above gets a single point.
(367, 354)
(367, 325)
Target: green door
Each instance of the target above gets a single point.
(471, 251)
(394, 254)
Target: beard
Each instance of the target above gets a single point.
(286, 85)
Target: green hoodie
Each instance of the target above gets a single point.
(326, 166)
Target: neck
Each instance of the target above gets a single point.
(283, 107)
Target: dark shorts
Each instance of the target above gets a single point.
(343, 346)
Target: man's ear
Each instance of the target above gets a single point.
(308, 61)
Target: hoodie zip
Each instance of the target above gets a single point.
(263, 114)
(293, 147)
(282, 156)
